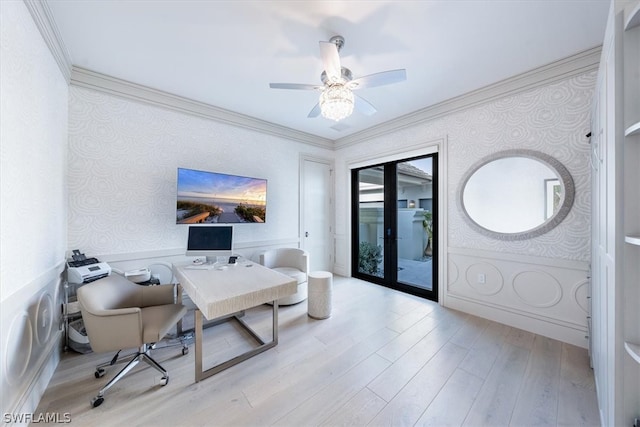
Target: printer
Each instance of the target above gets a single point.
(81, 269)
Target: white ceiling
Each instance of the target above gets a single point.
(225, 53)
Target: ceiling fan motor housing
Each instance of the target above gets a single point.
(345, 74)
(338, 41)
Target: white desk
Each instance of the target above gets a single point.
(218, 293)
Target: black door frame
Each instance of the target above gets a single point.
(390, 245)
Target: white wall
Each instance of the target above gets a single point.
(123, 159)
(539, 284)
(33, 208)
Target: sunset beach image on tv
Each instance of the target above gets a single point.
(209, 198)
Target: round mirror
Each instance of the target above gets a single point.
(516, 194)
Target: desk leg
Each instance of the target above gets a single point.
(197, 325)
(179, 330)
(264, 346)
(275, 322)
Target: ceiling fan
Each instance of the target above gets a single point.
(337, 100)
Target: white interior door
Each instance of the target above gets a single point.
(316, 212)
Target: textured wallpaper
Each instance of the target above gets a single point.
(33, 143)
(123, 159)
(33, 208)
(553, 119)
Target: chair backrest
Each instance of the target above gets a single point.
(286, 257)
(112, 311)
(111, 292)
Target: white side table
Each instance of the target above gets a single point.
(319, 300)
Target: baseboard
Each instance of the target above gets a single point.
(524, 321)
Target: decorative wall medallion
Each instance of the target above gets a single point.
(58, 304)
(580, 294)
(18, 348)
(537, 289)
(453, 272)
(487, 273)
(44, 318)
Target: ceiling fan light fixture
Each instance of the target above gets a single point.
(336, 102)
(336, 93)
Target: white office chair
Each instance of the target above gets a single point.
(292, 262)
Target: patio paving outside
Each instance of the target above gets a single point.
(416, 273)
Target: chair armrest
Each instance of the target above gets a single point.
(294, 258)
(114, 312)
(265, 259)
(304, 260)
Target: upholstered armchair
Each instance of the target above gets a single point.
(292, 262)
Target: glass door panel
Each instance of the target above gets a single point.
(414, 180)
(370, 194)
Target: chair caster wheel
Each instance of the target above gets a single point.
(164, 380)
(97, 401)
(185, 351)
(99, 373)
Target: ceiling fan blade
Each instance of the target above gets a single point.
(379, 79)
(363, 106)
(298, 86)
(315, 111)
(331, 60)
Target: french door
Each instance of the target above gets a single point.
(394, 225)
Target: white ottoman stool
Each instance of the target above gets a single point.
(319, 300)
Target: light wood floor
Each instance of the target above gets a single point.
(383, 358)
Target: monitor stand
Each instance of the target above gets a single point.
(211, 260)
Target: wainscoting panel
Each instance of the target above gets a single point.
(543, 295)
(341, 255)
(31, 340)
(160, 261)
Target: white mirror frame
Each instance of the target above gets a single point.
(568, 194)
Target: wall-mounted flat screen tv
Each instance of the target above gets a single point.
(209, 198)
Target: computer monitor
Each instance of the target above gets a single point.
(210, 241)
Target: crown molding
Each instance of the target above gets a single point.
(74, 75)
(571, 66)
(574, 65)
(83, 77)
(42, 17)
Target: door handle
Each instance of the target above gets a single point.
(306, 234)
